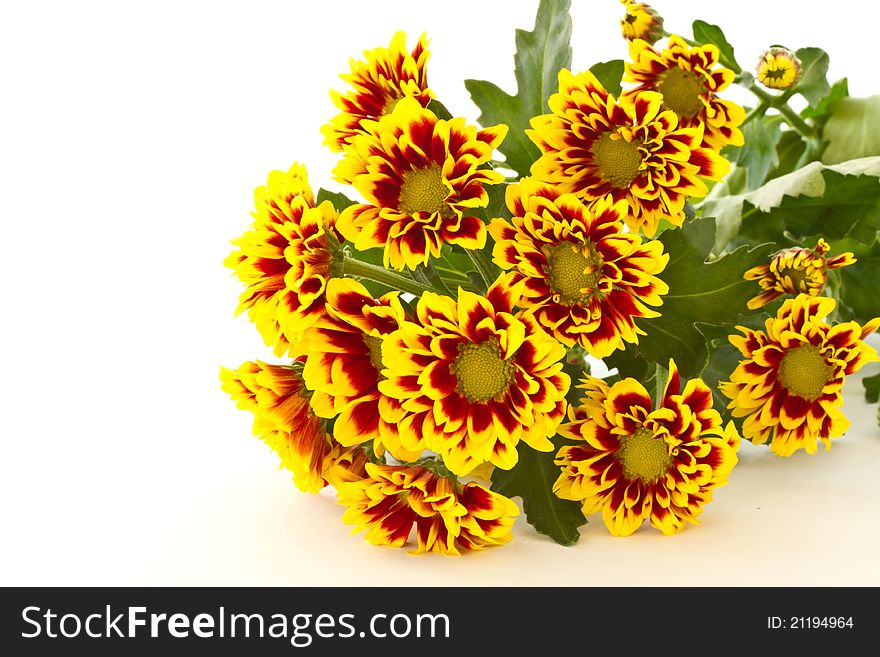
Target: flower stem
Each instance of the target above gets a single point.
(357, 269)
(780, 103)
(485, 267)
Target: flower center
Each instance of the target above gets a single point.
(681, 92)
(574, 272)
(481, 372)
(617, 159)
(423, 191)
(643, 455)
(804, 372)
(374, 344)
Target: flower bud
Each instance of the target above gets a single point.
(778, 68)
(641, 22)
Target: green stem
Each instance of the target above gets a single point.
(357, 269)
(795, 121)
(780, 104)
(659, 384)
(484, 266)
(757, 112)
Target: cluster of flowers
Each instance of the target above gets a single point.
(404, 404)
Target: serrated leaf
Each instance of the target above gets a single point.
(859, 282)
(532, 480)
(340, 201)
(813, 84)
(758, 154)
(700, 293)
(609, 75)
(540, 54)
(872, 388)
(852, 130)
(706, 33)
(837, 201)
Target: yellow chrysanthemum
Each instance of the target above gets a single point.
(641, 22)
(778, 68)
(795, 271)
(689, 83)
(583, 277)
(421, 178)
(634, 463)
(595, 146)
(344, 364)
(788, 388)
(448, 517)
(282, 418)
(284, 260)
(377, 84)
(474, 379)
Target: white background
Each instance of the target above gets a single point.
(131, 138)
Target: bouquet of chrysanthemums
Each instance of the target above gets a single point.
(437, 321)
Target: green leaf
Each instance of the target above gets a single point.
(872, 388)
(723, 360)
(700, 293)
(813, 84)
(340, 201)
(859, 282)
(758, 154)
(439, 109)
(839, 89)
(540, 54)
(706, 33)
(609, 75)
(789, 151)
(837, 201)
(852, 130)
(532, 479)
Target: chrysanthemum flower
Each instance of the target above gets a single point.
(778, 68)
(344, 365)
(284, 260)
(641, 22)
(449, 518)
(474, 379)
(377, 84)
(795, 271)
(282, 418)
(344, 464)
(690, 84)
(421, 178)
(583, 277)
(594, 146)
(636, 463)
(788, 388)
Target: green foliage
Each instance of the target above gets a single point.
(532, 480)
(838, 201)
(813, 84)
(839, 89)
(700, 292)
(339, 200)
(758, 154)
(540, 54)
(609, 75)
(852, 129)
(872, 388)
(706, 33)
(860, 282)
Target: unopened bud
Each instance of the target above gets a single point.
(778, 68)
(641, 22)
